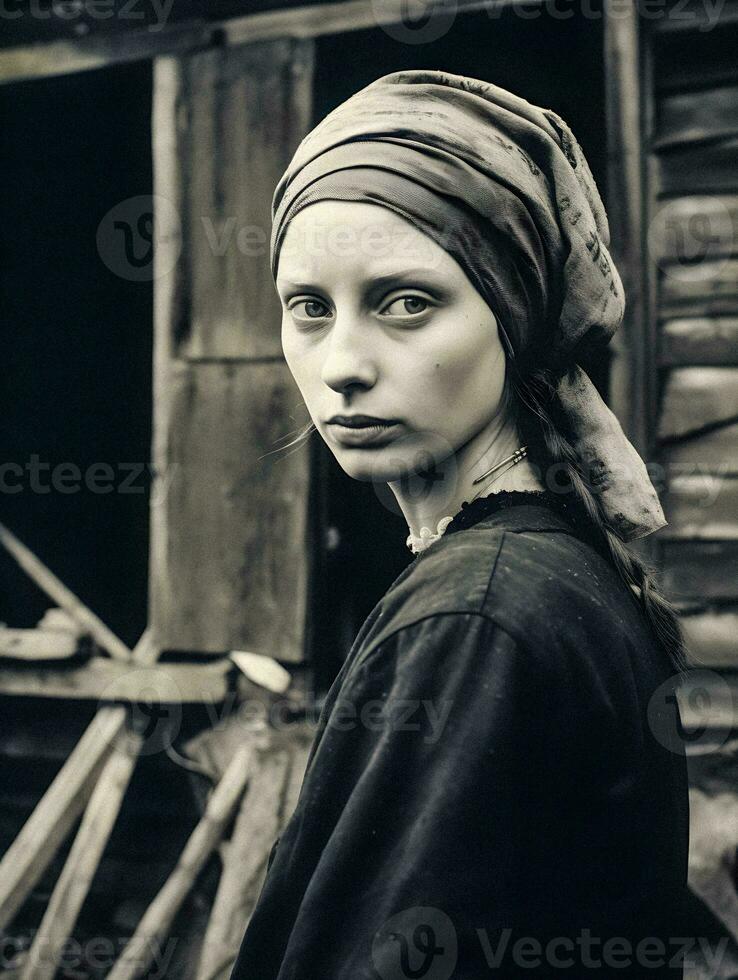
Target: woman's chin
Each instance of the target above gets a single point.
(366, 474)
(370, 467)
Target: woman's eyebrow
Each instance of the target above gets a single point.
(373, 284)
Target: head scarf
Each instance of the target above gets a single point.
(503, 187)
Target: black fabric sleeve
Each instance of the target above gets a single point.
(453, 819)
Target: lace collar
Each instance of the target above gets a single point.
(471, 513)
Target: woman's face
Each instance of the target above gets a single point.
(379, 320)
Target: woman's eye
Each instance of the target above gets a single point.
(312, 309)
(406, 306)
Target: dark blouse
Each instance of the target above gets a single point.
(497, 786)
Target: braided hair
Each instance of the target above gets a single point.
(530, 396)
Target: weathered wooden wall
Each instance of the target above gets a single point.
(230, 550)
(691, 143)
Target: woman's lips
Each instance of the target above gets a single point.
(365, 435)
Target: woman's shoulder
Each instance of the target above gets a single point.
(531, 583)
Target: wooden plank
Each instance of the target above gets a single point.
(317, 20)
(36, 644)
(27, 61)
(62, 596)
(700, 570)
(699, 341)
(693, 117)
(157, 920)
(234, 310)
(220, 424)
(708, 702)
(97, 50)
(712, 638)
(104, 680)
(244, 861)
(689, 230)
(710, 288)
(236, 577)
(698, 169)
(701, 506)
(715, 451)
(630, 367)
(75, 880)
(44, 832)
(706, 58)
(697, 397)
(42, 835)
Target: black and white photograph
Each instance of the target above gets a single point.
(369, 490)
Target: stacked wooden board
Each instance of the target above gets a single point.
(691, 142)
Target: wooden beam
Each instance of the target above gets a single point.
(244, 860)
(629, 375)
(157, 920)
(715, 451)
(81, 864)
(62, 57)
(48, 826)
(36, 645)
(701, 506)
(317, 20)
(62, 596)
(101, 679)
(44, 832)
(696, 398)
(233, 507)
(48, 60)
(700, 571)
(694, 117)
(712, 638)
(699, 341)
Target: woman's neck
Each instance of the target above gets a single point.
(426, 498)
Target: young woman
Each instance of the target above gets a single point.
(497, 784)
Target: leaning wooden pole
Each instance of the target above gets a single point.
(81, 865)
(157, 920)
(62, 596)
(44, 832)
(256, 827)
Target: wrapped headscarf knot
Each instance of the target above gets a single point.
(503, 186)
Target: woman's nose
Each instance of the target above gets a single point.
(349, 359)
